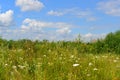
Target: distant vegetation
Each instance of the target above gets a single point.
(110, 44)
(62, 60)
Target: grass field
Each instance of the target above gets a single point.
(61, 60)
(58, 65)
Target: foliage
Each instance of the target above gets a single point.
(112, 41)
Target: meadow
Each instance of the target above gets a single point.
(60, 60)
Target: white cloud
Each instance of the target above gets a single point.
(35, 29)
(37, 34)
(88, 35)
(72, 11)
(6, 19)
(91, 36)
(76, 12)
(55, 13)
(65, 30)
(111, 7)
(32, 23)
(60, 12)
(28, 5)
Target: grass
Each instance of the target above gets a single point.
(59, 64)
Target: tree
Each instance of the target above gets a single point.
(112, 41)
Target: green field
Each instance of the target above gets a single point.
(60, 60)
(54, 65)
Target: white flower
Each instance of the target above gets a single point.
(88, 74)
(44, 55)
(90, 64)
(21, 58)
(96, 57)
(114, 61)
(49, 50)
(104, 56)
(74, 65)
(6, 64)
(21, 67)
(14, 67)
(95, 69)
(72, 56)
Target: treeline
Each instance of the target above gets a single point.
(111, 44)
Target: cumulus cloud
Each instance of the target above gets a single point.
(6, 19)
(111, 7)
(28, 5)
(32, 23)
(39, 30)
(35, 29)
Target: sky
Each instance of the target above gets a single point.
(58, 19)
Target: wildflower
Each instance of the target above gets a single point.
(76, 61)
(114, 61)
(21, 58)
(50, 63)
(14, 67)
(88, 75)
(72, 56)
(74, 65)
(90, 64)
(61, 55)
(6, 64)
(95, 69)
(44, 55)
(29, 48)
(96, 57)
(39, 64)
(104, 56)
(21, 67)
(49, 50)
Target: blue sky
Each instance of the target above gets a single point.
(58, 19)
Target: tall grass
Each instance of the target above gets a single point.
(59, 64)
(61, 60)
